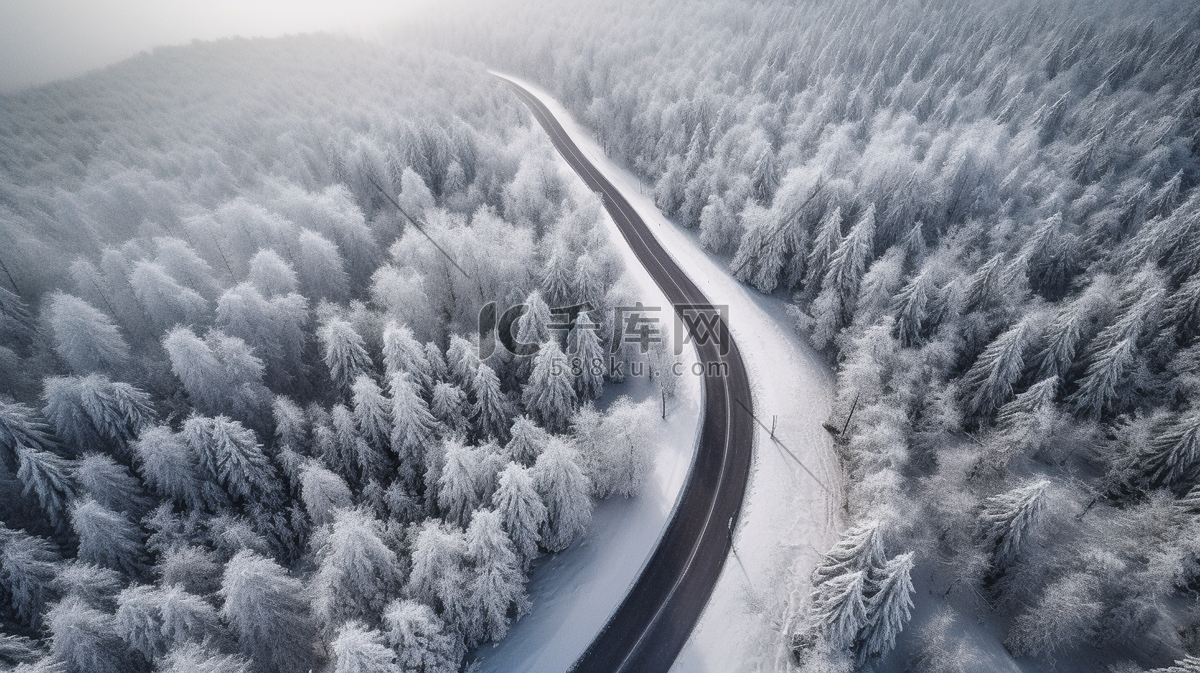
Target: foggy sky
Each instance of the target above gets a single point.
(45, 40)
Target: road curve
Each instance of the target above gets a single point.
(653, 622)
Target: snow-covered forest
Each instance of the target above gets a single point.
(244, 420)
(986, 216)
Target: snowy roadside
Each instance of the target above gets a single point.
(791, 511)
(575, 592)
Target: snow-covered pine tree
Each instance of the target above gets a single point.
(828, 240)
(154, 621)
(28, 566)
(19, 426)
(840, 608)
(86, 339)
(1171, 458)
(564, 489)
(47, 476)
(267, 611)
(439, 576)
(556, 278)
(890, 606)
(834, 306)
(859, 548)
(323, 493)
(527, 441)
(344, 352)
(521, 511)
(110, 484)
(273, 327)
(531, 329)
(457, 495)
(357, 573)
(997, 369)
(192, 658)
(463, 359)
(549, 396)
(624, 430)
(913, 309)
(412, 428)
(420, 638)
(86, 641)
(169, 466)
(1007, 521)
(497, 583)
(357, 649)
(490, 414)
(291, 425)
(436, 363)
(271, 275)
(449, 405)
(586, 359)
(107, 538)
(358, 460)
(402, 353)
(230, 455)
(92, 413)
(372, 415)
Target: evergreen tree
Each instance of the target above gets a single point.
(564, 489)
(490, 413)
(419, 638)
(344, 352)
(549, 396)
(834, 306)
(154, 620)
(829, 239)
(1007, 521)
(372, 415)
(587, 358)
(412, 428)
(171, 468)
(450, 407)
(47, 476)
(273, 327)
(107, 538)
(527, 441)
(532, 329)
(859, 548)
(556, 278)
(323, 493)
(436, 362)
(267, 611)
(913, 309)
(86, 339)
(230, 455)
(521, 511)
(1171, 458)
(439, 575)
(463, 359)
(359, 650)
(497, 584)
(28, 565)
(890, 606)
(357, 459)
(291, 425)
(841, 607)
(996, 371)
(191, 658)
(93, 413)
(110, 484)
(165, 301)
(86, 641)
(357, 573)
(457, 495)
(220, 373)
(403, 354)
(271, 275)
(20, 427)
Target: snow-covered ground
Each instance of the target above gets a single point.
(791, 512)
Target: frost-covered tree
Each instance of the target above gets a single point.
(321, 268)
(490, 414)
(47, 476)
(412, 427)
(834, 306)
(372, 415)
(828, 240)
(345, 353)
(220, 373)
(841, 609)
(165, 301)
(556, 278)
(439, 576)
(497, 583)
(859, 548)
(230, 455)
(107, 538)
(997, 369)
(323, 493)
(419, 638)
(357, 649)
(271, 275)
(527, 441)
(28, 565)
(19, 426)
(890, 606)
(449, 405)
(85, 639)
(356, 458)
(549, 395)
(457, 492)
(521, 511)
(586, 360)
(564, 489)
(153, 621)
(171, 469)
(109, 483)
(402, 353)
(463, 359)
(267, 611)
(913, 309)
(1171, 457)
(1008, 519)
(357, 573)
(86, 339)
(273, 327)
(623, 431)
(94, 413)
(192, 658)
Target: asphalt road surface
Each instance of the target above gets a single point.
(654, 621)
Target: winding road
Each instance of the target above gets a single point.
(653, 622)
